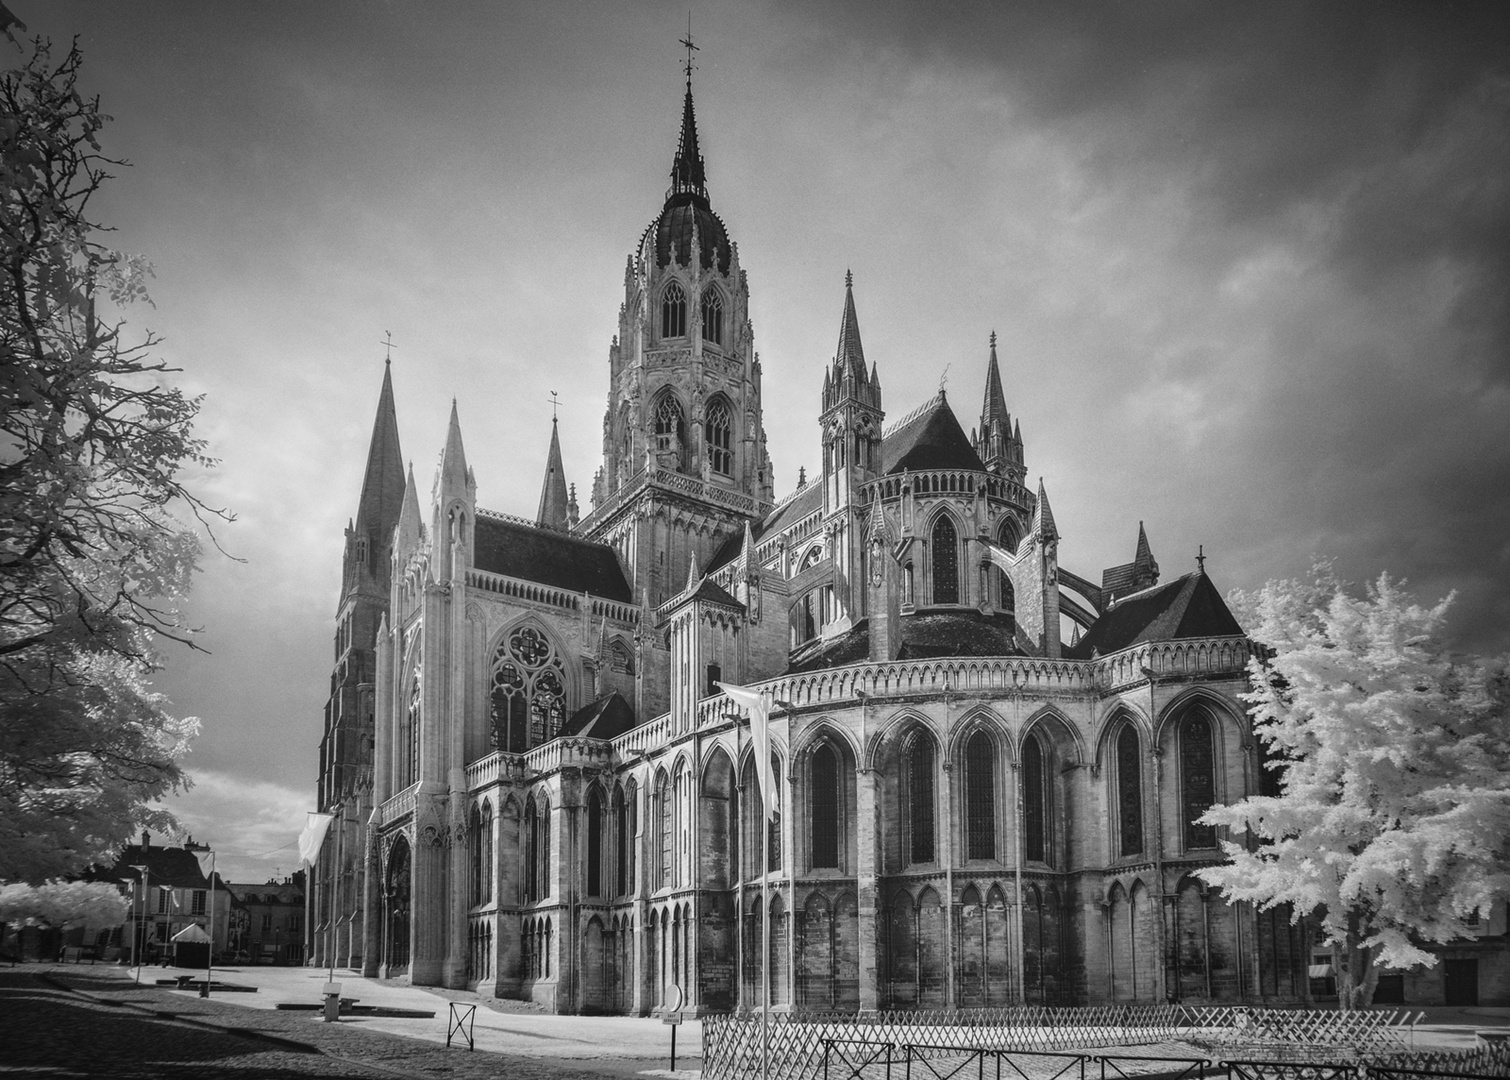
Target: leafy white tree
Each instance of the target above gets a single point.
(62, 904)
(1392, 823)
(94, 554)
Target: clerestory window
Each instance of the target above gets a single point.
(945, 562)
(718, 431)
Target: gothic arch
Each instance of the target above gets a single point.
(1061, 734)
(887, 737)
(948, 579)
(1111, 721)
(1228, 716)
(980, 718)
(823, 728)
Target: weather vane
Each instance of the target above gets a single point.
(689, 66)
(1200, 557)
(944, 379)
(388, 345)
(554, 403)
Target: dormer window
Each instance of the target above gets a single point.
(713, 317)
(673, 311)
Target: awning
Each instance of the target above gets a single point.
(192, 933)
(1320, 971)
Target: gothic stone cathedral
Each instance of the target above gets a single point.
(543, 795)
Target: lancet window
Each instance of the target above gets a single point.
(980, 797)
(482, 854)
(1197, 777)
(945, 561)
(673, 311)
(1129, 793)
(824, 789)
(595, 821)
(1035, 801)
(414, 715)
(718, 431)
(918, 769)
(713, 316)
(670, 428)
(528, 691)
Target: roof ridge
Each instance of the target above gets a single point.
(1119, 601)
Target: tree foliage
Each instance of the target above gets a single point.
(1392, 823)
(94, 559)
(62, 904)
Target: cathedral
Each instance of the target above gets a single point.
(990, 768)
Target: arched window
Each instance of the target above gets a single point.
(529, 691)
(718, 431)
(918, 760)
(1035, 817)
(479, 871)
(670, 428)
(945, 561)
(673, 311)
(594, 843)
(1197, 777)
(713, 316)
(1129, 792)
(531, 829)
(543, 848)
(624, 825)
(665, 846)
(823, 787)
(414, 716)
(980, 797)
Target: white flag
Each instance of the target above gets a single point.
(206, 860)
(759, 707)
(313, 836)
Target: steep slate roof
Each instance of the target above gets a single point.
(606, 718)
(170, 867)
(549, 558)
(553, 513)
(1187, 607)
(930, 438)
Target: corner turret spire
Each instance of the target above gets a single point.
(687, 173)
(555, 513)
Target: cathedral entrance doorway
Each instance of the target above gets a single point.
(396, 909)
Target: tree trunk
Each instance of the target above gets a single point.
(1357, 968)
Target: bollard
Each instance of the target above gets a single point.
(332, 992)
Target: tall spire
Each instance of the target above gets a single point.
(850, 358)
(1043, 517)
(995, 405)
(687, 175)
(453, 460)
(383, 483)
(554, 510)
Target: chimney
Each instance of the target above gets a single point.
(146, 839)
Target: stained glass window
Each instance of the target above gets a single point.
(945, 562)
(528, 693)
(824, 800)
(980, 797)
(1197, 779)
(1129, 792)
(920, 799)
(1034, 801)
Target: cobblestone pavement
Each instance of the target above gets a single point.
(66, 1021)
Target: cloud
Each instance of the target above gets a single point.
(253, 825)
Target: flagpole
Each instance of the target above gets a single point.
(209, 956)
(335, 896)
(146, 875)
(765, 914)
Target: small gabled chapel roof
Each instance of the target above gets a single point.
(605, 718)
(1187, 607)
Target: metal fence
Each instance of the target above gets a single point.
(1296, 1044)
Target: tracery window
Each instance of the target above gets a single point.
(1035, 823)
(980, 797)
(482, 854)
(945, 562)
(664, 831)
(673, 311)
(823, 772)
(531, 829)
(918, 759)
(1129, 793)
(670, 428)
(713, 316)
(718, 432)
(1197, 777)
(528, 693)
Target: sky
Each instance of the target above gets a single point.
(1248, 265)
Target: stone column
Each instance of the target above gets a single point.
(867, 884)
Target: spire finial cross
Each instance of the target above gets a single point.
(993, 339)
(388, 346)
(849, 279)
(688, 66)
(554, 403)
(1200, 557)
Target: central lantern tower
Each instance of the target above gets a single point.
(685, 464)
